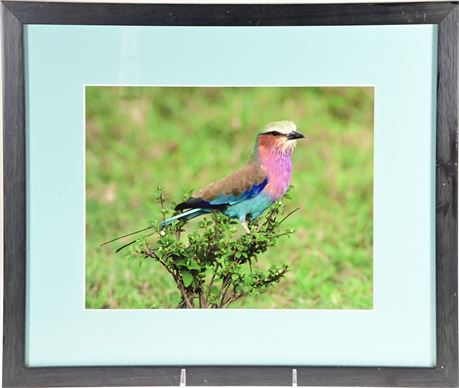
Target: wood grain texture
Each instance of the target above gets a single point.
(446, 197)
(14, 198)
(16, 374)
(318, 376)
(229, 15)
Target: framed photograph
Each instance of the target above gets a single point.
(239, 191)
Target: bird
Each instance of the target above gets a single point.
(248, 192)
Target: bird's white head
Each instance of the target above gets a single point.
(280, 136)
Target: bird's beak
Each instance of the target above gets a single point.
(295, 135)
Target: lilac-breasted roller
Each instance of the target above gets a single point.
(248, 192)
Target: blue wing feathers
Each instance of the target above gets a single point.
(221, 201)
(224, 199)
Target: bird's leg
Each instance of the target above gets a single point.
(245, 226)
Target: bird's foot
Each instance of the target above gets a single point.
(246, 227)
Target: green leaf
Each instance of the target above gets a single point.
(187, 278)
(194, 265)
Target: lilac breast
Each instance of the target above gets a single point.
(279, 170)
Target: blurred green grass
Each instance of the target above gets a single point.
(138, 138)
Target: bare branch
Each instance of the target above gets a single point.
(287, 216)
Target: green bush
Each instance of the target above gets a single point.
(215, 265)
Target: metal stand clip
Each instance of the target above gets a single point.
(182, 378)
(294, 379)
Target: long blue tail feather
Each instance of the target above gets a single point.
(186, 216)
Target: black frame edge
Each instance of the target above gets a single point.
(15, 14)
(14, 198)
(446, 197)
(229, 14)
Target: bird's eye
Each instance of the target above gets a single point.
(275, 133)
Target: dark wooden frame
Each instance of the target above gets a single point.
(17, 14)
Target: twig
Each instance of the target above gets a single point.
(224, 290)
(287, 216)
(282, 234)
(150, 253)
(212, 281)
(161, 202)
(202, 301)
(184, 293)
(222, 287)
(234, 298)
(230, 296)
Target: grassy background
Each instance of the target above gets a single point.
(184, 138)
